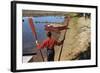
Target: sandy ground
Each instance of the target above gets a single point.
(77, 39)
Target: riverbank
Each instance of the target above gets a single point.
(76, 43)
(77, 40)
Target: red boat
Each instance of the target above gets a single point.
(49, 27)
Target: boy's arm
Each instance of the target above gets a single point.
(40, 46)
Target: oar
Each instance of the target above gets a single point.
(68, 18)
(34, 33)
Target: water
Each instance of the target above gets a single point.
(39, 22)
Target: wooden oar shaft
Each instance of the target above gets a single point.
(34, 33)
(64, 39)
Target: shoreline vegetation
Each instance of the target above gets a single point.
(49, 22)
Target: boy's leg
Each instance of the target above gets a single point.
(50, 55)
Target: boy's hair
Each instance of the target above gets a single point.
(49, 34)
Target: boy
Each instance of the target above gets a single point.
(49, 43)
